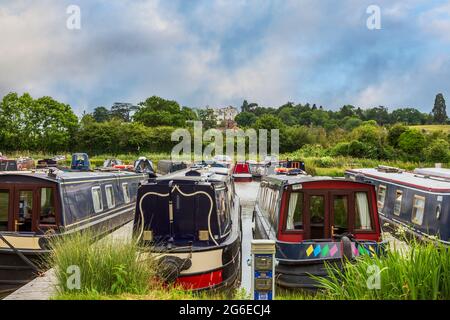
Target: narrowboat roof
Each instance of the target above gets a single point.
(64, 176)
(410, 179)
(204, 175)
(297, 179)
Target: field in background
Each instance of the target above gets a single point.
(434, 127)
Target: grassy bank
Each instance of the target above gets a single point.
(420, 273)
(113, 270)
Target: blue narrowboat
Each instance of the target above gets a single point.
(418, 201)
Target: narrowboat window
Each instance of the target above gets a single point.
(418, 209)
(4, 209)
(381, 196)
(110, 201)
(97, 199)
(47, 210)
(222, 209)
(398, 202)
(126, 193)
(317, 209)
(340, 207)
(362, 212)
(25, 209)
(295, 213)
(438, 211)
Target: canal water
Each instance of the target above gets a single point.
(247, 192)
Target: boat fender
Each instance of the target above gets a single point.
(346, 248)
(170, 267)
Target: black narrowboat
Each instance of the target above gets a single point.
(169, 166)
(417, 201)
(314, 220)
(191, 220)
(37, 205)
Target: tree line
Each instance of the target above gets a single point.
(46, 125)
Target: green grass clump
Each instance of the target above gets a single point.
(108, 267)
(421, 272)
(115, 270)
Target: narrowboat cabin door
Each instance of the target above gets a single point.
(325, 215)
(27, 208)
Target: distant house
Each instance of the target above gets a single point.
(225, 116)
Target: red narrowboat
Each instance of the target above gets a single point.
(315, 220)
(241, 172)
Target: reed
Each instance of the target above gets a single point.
(420, 273)
(107, 267)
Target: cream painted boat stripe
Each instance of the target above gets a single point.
(201, 261)
(21, 242)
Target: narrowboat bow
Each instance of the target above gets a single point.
(191, 221)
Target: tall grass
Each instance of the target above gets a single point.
(421, 272)
(106, 268)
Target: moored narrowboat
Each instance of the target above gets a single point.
(191, 221)
(35, 206)
(290, 167)
(19, 164)
(315, 220)
(417, 201)
(170, 166)
(257, 169)
(241, 172)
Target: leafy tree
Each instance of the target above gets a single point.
(268, 121)
(439, 109)
(438, 151)
(394, 134)
(379, 114)
(412, 142)
(122, 111)
(244, 107)
(101, 114)
(408, 116)
(346, 111)
(286, 115)
(245, 119)
(294, 138)
(156, 111)
(351, 123)
(39, 125)
(208, 118)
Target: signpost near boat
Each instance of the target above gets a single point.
(263, 269)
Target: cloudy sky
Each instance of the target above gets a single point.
(220, 52)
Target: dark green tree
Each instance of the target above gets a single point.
(245, 119)
(101, 114)
(439, 109)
